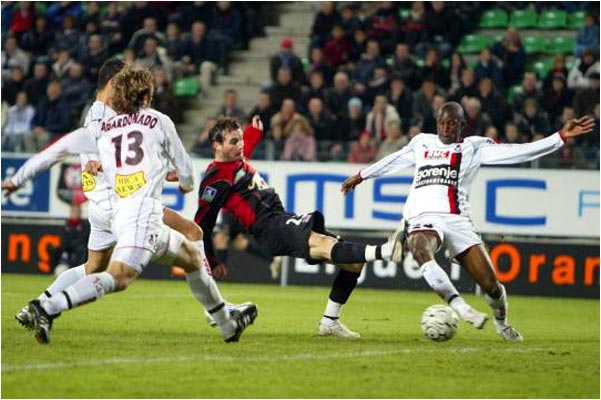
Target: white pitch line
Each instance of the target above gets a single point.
(296, 357)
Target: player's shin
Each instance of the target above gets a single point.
(85, 290)
(499, 306)
(342, 287)
(63, 281)
(352, 253)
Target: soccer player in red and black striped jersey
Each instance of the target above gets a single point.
(231, 183)
(437, 209)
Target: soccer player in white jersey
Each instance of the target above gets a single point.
(437, 209)
(101, 239)
(135, 148)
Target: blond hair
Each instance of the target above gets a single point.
(133, 89)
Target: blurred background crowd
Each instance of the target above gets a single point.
(374, 74)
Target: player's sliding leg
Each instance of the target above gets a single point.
(423, 245)
(478, 264)
(328, 248)
(97, 261)
(342, 287)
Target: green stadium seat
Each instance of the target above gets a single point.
(523, 19)
(493, 38)
(471, 44)
(306, 64)
(495, 18)
(561, 45)
(513, 91)
(404, 13)
(186, 87)
(576, 20)
(534, 44)
(553, 19)
(541, 67)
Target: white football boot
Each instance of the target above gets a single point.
(335, 328)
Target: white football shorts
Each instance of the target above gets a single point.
(101, 236)
(456, 232)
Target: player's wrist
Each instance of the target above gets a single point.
(562, 136)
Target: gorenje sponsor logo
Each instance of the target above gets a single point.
(436, 175)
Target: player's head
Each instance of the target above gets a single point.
(226, 139)
(133, 88)
(108, 70)
(449, 121)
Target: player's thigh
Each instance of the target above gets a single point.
(178, 222)
(476, 261)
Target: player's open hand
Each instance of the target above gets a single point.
(9, 187)
(220, 271)
(93, 167)
(257, 123)
(172, 176)
(577, 127)
(349, 184)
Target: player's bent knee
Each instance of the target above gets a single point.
(320, 246)
(356, 268)
(188, 258)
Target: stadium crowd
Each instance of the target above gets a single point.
(374, 76)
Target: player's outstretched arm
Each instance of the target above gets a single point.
(577, 127)
(350, 183)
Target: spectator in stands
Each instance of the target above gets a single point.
(316, 89)
(422, 100)
(196, 56)
(429, 123)
(94, 56)
(588, 64)
(76, 89)
(513, 56)
(476, 122)
(532, 120)
(82, 49)
(351, 123)
(358, 46)
(57, 12)
(488, 67)
(434, 70)
(39, 40)
(530, 90)
(414, 130)
(69, 38)
(394, 142)
(401, 97)
(12, 55)
(384, 25)
(133, 18)
(349, 21)
(149, 29)
(111, 27)
(323, 23)
(336, 50)
(230, 107)
(225, 30)
(265, 110)
(52, 118)
(404, 66)
(380, 117)
(202, 146)
(281, 122)
(92, 13)
(318, 63)
(457, 66)
(173, 40)
(556, 97)
(61, 66)
(412, 27)
(566, 114)
(164, 99)
(369, 60)
(300, 144)
(492, 133)
(337, 97)
(22, 20)
(442, 28)
(363, 150)
(467, 88)
(287, 58)
(559, 67)
(152, 56)
(321, 121)
(18, 124)
(284, 88)
(36, 86)
(585, 99)
(588, 36)
(511, 135)
(569, 156)
(14, 84)
(493, 104)
(377, 85)
(195, 11)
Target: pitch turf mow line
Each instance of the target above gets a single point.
(298, 357)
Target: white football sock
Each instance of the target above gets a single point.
(85, 290)
(459, 305)
(63, 281)
(332, 312)
(386, 251)
(499, 307)
(200, 246)
(438, 280)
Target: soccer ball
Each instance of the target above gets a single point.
(439, 322)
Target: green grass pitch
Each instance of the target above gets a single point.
(151, 341)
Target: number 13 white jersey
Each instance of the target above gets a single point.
(444, 173)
